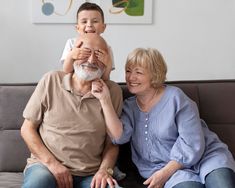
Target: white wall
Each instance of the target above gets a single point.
(196, 37)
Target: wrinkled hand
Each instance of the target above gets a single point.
(101, 179)
(157, 180)
(61, 174)
(100, 90)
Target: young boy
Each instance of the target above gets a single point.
(90, 19)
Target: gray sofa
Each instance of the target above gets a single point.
(215, 99)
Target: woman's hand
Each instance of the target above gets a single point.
(160, 177)
(157, 180)
(100, 90)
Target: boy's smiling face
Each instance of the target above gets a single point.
(90, 21)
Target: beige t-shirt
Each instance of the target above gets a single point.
(71, 126)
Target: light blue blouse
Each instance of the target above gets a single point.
(172, 130)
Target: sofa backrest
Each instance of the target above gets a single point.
(13, 151)
(216, 103)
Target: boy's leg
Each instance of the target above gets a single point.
(222, 177)
(38, 176)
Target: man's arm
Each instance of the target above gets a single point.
(109, 158)
(29, 132)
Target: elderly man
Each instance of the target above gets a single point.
(64, 126)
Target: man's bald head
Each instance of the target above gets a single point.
(94, 41)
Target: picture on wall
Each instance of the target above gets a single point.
(115, 11)
(127, 11)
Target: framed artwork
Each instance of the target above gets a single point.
(115, 11)
(127, 11)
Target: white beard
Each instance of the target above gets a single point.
(87, 75)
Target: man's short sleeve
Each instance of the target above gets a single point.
(36, 105)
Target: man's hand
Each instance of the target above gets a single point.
(101, 179)
(62, 175)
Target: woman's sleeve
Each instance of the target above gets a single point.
(190, 144)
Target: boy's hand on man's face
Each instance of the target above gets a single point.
(106, 60)
(80, 53)
(103, 57)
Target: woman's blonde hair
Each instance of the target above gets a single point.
(151, 60)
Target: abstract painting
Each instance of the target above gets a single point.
(115, 11)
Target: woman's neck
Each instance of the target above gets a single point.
(146, 101)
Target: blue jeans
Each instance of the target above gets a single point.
(38, 176)
(219, 178)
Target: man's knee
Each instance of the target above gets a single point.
(38, 176)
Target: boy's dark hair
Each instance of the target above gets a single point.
(90, 6)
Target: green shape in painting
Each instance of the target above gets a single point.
(119, 3)
(135, 8)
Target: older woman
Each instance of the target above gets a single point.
(171, 146)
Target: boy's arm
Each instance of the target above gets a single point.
(68, 62)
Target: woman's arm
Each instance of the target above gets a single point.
(113, 123)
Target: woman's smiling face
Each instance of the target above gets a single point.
(138, 79)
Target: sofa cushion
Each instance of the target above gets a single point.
(11, 180)
(13, 151)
